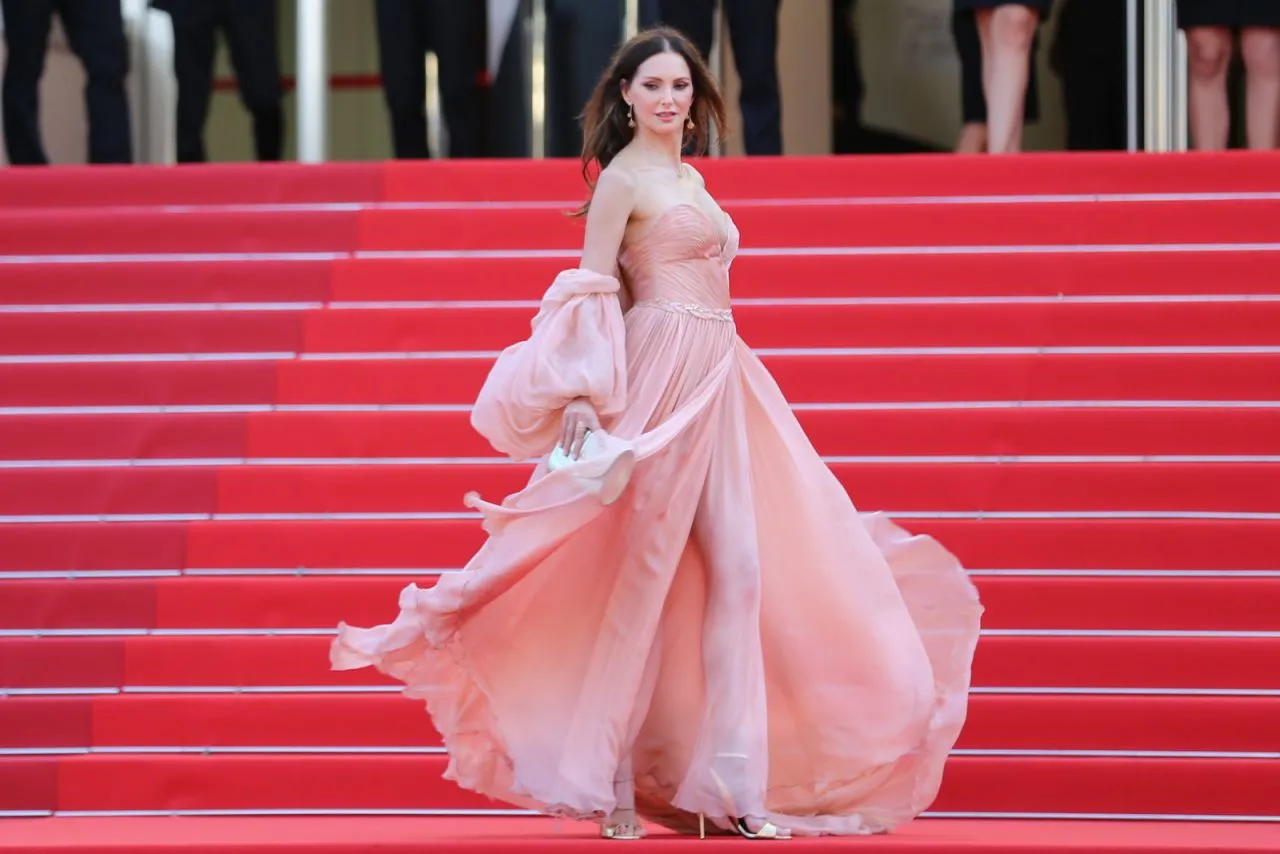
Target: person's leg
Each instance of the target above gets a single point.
(1007, 33)
(1260, 49)
(456, 33)
(251, 35)
(753, 32)
(195, 34)
(695, 18)
(402, 49)
(26, 36)
(973, 103)
(1208, 56)
(95, 30)
(735, 737)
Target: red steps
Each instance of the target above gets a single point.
(1010, 432)
(475, 835)
(525, 180)
(489, 328)
(1163, 487)
(804, 378)
(1040, 628)
(1158, 786)
(996, 722)
(143, 230)
(258, 603)
(401, 835)
(1101, 544)
(899, 275)
(230, 661)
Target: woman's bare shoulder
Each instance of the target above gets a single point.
(693, 174)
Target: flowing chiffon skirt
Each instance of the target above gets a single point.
(731, 625)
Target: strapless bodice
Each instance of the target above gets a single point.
(680, 260)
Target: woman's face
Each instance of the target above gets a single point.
(661, 94)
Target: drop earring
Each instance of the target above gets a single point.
(631, 119)
(689, 122)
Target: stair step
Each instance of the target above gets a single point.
(1011, 432)
(239, 661)
(1151, 787)
(354, 721)
(1048, 273)
(804, 379)
(1194, 604)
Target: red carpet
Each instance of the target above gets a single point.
(333, 835)
(233, 410)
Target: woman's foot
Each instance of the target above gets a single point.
(758, 828)
(622, 823)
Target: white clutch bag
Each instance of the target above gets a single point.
(604, 466)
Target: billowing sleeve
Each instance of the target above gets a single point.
(576, 348)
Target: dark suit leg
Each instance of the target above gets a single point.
(95, 29)
(251, 35)
(456, 32)
(402, 49)
(26, 36)
(695, 18)
(195, 38)
(753, 32)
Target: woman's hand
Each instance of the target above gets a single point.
(579, 419)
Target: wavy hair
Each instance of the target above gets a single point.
(604, 121)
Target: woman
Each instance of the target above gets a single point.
(1210, 25)
(1007, 32)
(683, 616)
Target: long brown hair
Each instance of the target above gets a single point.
(604, 121)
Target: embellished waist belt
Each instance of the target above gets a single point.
(703, 311)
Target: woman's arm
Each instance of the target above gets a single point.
(611, 206)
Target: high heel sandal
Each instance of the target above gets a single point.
(631, 828)
(768, 830)
(622, 830)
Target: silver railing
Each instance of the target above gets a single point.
(1164, 77)
(313, 81)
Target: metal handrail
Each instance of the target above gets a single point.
(1165, 79)
(313, 80)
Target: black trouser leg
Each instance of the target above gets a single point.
(753, 32)
(402, 48)
(26, 36)
(195, 35)
(95, 30)
(251, 36)
(456, 34)
(694, 18)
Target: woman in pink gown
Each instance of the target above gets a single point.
(682, 616)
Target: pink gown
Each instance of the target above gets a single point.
(731, 627)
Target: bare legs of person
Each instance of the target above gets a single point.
(735, 729)
(1209, 51)
(623, 823)
(1260, 47)
(973, 139)
(1007, 33)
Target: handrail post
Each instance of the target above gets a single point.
(313, 80)
(1132, 39)
(630, 19)
(535, 29)
(1159, 42)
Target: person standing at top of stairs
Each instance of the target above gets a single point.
(250, 27)
(95, 30)
(455, 32)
